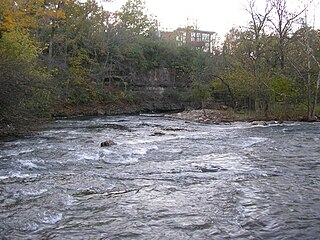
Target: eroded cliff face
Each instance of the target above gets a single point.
(160, 90)
(157, 90)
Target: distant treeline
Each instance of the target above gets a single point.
(55, 52)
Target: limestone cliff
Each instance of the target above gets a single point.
(160, 90)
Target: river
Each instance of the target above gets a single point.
(164, 179)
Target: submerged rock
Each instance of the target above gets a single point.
(117, 127)
(174, 129)
(266, 123)
(211, 169)
(157, 134)
(107, 143)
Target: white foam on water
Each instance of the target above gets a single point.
(248, 141)
(72, 149)
(122, 159)
(27, 151)
(28, 164)
(30, 226)
(86, 156)
(174, 150)
(4, 177)
(228, 161)
(217, 157)
(14, 153)
(125, 154)
(53, 132)
(51, 218)
(35, 192)
(253, 140)
(106, 151)
(22, 175)
(90, 156)
(69, 200)
(149, 139)
(143, 150)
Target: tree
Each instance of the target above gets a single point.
(304, 60)
(202, 77)
(257, 27)
(282, 22)
(22, 79)
(134, 18)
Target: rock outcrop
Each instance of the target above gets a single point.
(159, 90)
(107, 143)
(205, 116)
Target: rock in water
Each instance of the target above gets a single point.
(107, 143)
(117, 127)
(259, 123)
(157, 134)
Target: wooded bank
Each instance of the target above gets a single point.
(69, 57)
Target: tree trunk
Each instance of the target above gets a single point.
(50, 54)
(309, 92)
(315, 99)
(203, 106)
(229, 90)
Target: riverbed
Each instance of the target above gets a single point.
(163, 179)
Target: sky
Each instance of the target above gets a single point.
(210, 15)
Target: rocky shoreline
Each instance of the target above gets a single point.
(209, 116)
(26, 128)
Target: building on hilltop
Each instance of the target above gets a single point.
(196, 38)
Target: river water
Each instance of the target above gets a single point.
(164, 179)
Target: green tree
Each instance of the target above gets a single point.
(282, 22)
(133, 17)
(303, 58)
(20, 78)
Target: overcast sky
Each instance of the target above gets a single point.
(210, 15)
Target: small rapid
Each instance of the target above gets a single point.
(163, 179)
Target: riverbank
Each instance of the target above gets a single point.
(222, 115)
(16, 128)
(212, 116)
(22, 128)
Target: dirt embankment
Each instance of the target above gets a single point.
(205, 116)
(22, 128)
(222, 116)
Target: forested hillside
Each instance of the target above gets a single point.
(57, 54)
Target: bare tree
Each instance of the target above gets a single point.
(258, 25)
(313, 88)
(282, 22)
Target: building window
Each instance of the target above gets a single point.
(184, 37)
(199, 38)
(205, 37)
(193, 37)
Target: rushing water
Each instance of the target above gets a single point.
(193, 181)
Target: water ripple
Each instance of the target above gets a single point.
(192, 181)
